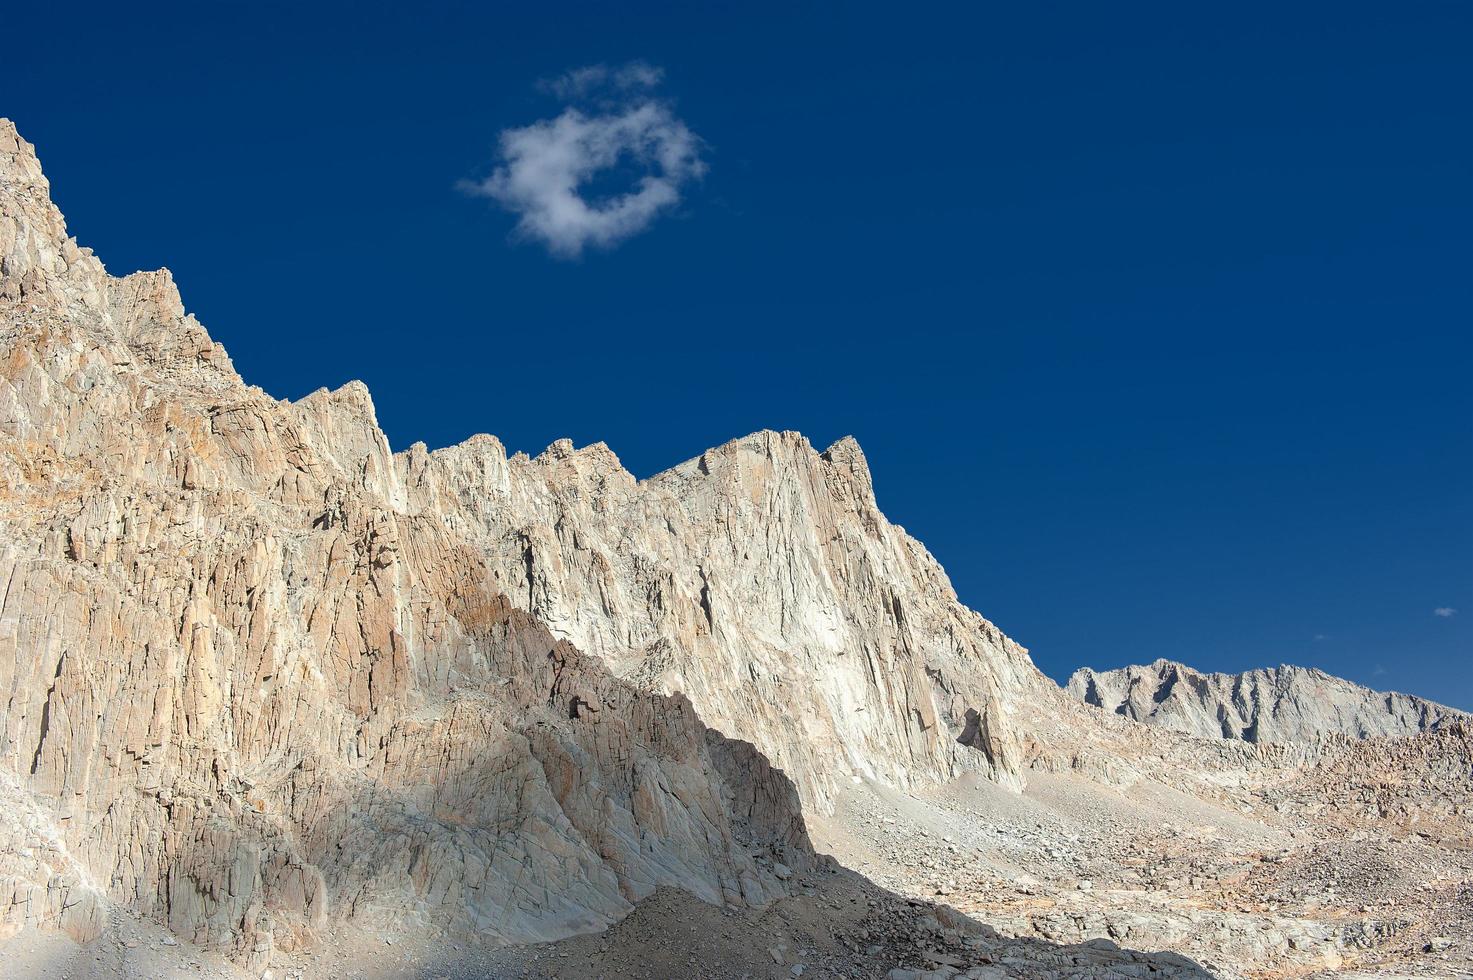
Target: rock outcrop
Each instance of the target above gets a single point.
(249, 685)
(1277, 704)
(760, 580)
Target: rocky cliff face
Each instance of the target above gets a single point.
(760, 580)
(1277, 704)
(260, 671)
(252, 679)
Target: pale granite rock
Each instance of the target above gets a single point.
(760, 580)
(249, 686)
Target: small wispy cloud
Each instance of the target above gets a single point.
(1320, 637)
(543, 169)
(592, 79)
(1446, 612)
(1380, 671)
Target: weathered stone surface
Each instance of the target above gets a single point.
(761, 580)
(1278, 704)
(248, 685)
(236, 629)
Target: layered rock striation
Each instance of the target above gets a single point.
(251, 682)
(260, 671)
(1277, 704)
(760, 580)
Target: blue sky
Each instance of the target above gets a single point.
(1154, 321)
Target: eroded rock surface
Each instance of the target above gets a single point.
(761, 580)
(249, 686)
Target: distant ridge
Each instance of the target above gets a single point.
(1273, 704)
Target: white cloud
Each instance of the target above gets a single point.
(582, 82)
(1446, 612)
(544, 168)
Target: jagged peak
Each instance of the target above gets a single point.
(39, 263)
(843, 464)
(476, 445)
(1322, 703)
(846, 451)
(484, 440)
(18, 160)
(35, 253)
(1283, 670)
(772, 443)
(353, 395)
(562, 461)
(769, 441)
(559, 449)
(847, 446)
(157, 288)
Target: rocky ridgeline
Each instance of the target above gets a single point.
(248, 648)
(761, 581)
(1277, 704)
(266, 682)
(251, 687)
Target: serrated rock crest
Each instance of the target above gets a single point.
(1275, 704)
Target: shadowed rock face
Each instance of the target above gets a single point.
(1277, 704)
(252, 683)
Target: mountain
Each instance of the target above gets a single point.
(761, 581)
(320, 665)
(251, 688)
(309, 705)
(1276, 704)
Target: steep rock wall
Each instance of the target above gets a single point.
(763, 582)
(247, 688)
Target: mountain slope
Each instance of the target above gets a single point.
(212, 593)
(274, 686)
(251, 691)
(760, 580)
(1277, 704)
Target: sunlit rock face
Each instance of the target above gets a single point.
(760, 580)
(262, 672)
(253, 682)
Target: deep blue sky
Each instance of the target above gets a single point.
(1155, 321)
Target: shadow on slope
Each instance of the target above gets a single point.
(837, 923)
(493, 810)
